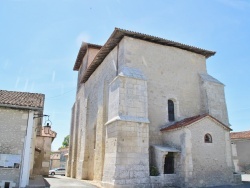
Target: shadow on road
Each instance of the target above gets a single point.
(46, 182)
(52, 177)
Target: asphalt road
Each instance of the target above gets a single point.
(58, 181)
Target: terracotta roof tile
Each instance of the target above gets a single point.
(21, 99)
(240, 135)
(190, 120)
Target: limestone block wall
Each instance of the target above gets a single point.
(243, 153)
(213, 98)
(204, 164)
(92, 97)
(13, 130)
(54, 163)
(126, 154)
(42, 159)
(127, 145)
(69, 160)
(171, 73)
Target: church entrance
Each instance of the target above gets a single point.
(169, 163)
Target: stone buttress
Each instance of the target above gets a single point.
(126, 162)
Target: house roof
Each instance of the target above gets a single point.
(117, 36)
(240, 135)
(21, 100)
(82, 52)
(55, 156)
(191, 120)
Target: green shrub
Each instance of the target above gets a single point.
(153, 171)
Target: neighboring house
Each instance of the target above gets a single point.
(147, 106)
(55, 160)
(63, 158)
(241, 151)
(21, 125)
(44, 139)
(58, 158)
(18, 128)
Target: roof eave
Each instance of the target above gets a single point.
(167, 129)
(21, 107)
(82, 53)
(117, 36)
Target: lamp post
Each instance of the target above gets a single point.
(47, 123)
(47, 128)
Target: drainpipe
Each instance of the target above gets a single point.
(25, 166)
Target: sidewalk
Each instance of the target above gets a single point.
(37, 182)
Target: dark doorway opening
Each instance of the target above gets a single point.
(169, 163)
(6, 184)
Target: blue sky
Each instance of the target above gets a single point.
(39, 42)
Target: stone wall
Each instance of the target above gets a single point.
(127, 151)
(88, 117)
(171, 73)
(158, 73)
(204, 164)
(42, 158)
(13, 131)
(243, 153)
(213, 98)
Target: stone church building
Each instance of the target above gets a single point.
(146, 114)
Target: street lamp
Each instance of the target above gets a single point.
(47, 127)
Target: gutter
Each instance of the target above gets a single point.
(20, 107)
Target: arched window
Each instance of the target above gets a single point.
(171, 110)
(208, 138)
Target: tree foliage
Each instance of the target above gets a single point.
(65, 142)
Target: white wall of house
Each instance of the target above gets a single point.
(27, 152)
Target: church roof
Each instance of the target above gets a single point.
(82, 52)
(191, 120)
(25, 100)
(207, 77)
(240, 135)
(117, 36)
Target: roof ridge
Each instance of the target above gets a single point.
(125, 30)
(21, 92)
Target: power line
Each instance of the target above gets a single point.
(61, 94)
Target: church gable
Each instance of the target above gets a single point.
(192, 120)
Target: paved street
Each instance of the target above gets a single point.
(65, 182)
(58, 181)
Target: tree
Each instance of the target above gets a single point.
(65, 142)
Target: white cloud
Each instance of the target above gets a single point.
(17, 82)
(26, 85)
(53, 76)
